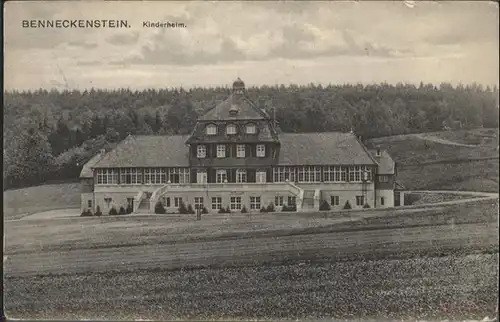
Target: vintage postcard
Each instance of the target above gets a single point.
(241, 160)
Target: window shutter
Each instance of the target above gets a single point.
(193, 176)
(213, 175)
(269, 175)
(251, 175)
(228, 154)
(232, 177)
(214, 150)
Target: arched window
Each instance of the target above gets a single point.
(251, 128)
(231, 129)
(211, 129)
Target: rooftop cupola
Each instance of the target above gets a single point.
(238, 86)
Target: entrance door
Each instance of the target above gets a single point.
(201, 177)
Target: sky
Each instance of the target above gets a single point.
(261, 42)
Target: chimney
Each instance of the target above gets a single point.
(378, 152)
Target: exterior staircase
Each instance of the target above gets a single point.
(143, 206)
(308, 201)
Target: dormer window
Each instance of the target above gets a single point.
(231, 129)
(378, 152)
(251, 129)
(211, 129)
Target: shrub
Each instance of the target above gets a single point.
(270, 208)
(98, 211)
(130, 209)
(222, 210)
(182, 208)
(122, 211)
(347, 205)
(113, 212)
(86, 213)
(289, 208)
(366, 205)
(244, 210)
(411, 198)
(263, 209)
(204, 210)
(159, 209)
(324, 206)
(228, 210)
(190, 209)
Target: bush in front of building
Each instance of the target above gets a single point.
(263, 209)
(113, 212)
(204, 210)
(98, 211)
(366, 205)
(228, 210)
(244, 210)
(159, 208)
(86, 213)
(190, 210)
(222, 210)
(270, 208)
(122, 211)
(324, 206)
(129, 209)
(286, 208)
(347, 205)
(182, 209)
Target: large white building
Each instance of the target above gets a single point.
(237, 157)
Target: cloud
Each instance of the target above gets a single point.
(120, 39)
(83, 44)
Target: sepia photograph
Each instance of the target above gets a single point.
(251, 160)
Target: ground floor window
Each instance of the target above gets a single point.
(260, 177)
(360, 173)
(131, 176)
(309, 174)
(166, 201)
(235, 203)
(360, 200)
(334, 174)
(254, 203)
(216, 203)
(155, 176)
(241, 175)
(278, 201)
(177, 202)
(292, 200)
(198, 202)
(334, 200)
(282, 174)
(221, 176)
(382, 201)
(89, 203)
(179, 175)
(107, 201)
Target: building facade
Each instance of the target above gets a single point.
(235, 157)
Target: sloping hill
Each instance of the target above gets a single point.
(454, 160)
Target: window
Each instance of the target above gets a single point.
(334, 200)
(309, 174)
(107, 201)
(221, 176)
(89, 203)
(211, 129)
(240, 151)
(382, 201)
(216, 203)
(166, 201)
(155, 176)
(131, 176)
(383, 178)
(360, 200)
(282, 174)
(241, 175)
(231, 129)
(198, 202)
(292, 200)
(235, 203)
(201, 176)
(260, 177)
(221, 151)
(254, 203)
(261, 150)
(251, 129)
(357, 173)
(107, 176)
(179, 175)
(334, 174)
(177, 202)
(278, 201)
(201, 151)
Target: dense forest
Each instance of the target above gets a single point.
(49, 135)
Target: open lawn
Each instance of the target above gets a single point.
(424, 162)
(439, 262)
(22, 202)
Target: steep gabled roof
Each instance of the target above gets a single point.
(148, 151)
(386, 164)
(246, 110)
(322, 148)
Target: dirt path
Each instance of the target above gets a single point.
(435, 139)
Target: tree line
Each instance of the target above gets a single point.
(49, 135)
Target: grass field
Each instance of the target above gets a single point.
(425, 164)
